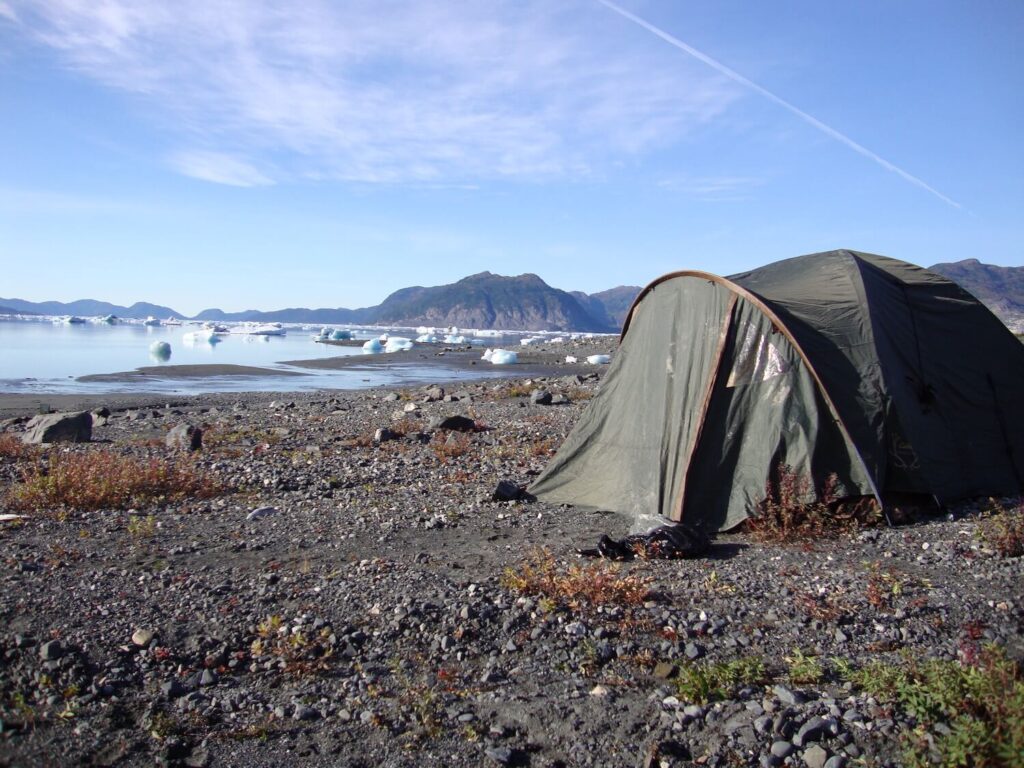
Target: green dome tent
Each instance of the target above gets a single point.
(889, 376)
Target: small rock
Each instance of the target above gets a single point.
(787, 696)
(500, 755)
(384, 434)
(663, 670)
(455, 423)
(782, 749)
(51, 651)
(540, 397)
(811, 731)
(302, 712)
(142, 637)
(261, 512)
(815, 756)
(410, 408)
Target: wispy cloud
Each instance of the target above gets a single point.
(219, 168)
(27, 202)
(810, 119)
(386, 90)
(714, 188)
(7, 12)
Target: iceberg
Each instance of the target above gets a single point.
(152, 321)
(160, 351)
(487, 354)
(204, 336)
(599, 359)
(426, 338)
(451, 338)
(398, 344)
(503, 357)
(529, 340)
(340, 335)
(372, 347)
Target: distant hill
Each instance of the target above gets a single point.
(484, 300)
(90, 308)
(1001, 289)
(12, 311)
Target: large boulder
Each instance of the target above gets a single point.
(185, 437)
(59, 428)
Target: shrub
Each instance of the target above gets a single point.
(1003, 530)
(967, 714)
(793, 511)
(11, 447)
(575, 585)
(106, 480)
(450, 445)
(705, 682)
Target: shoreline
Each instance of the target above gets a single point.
(542, 360)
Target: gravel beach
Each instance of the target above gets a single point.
(353, 593)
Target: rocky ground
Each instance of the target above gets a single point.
(355, 596)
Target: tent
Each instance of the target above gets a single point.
(890, 377)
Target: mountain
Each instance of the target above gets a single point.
(486, 300)
(12, 311)
(90, 308)
(1001, 289)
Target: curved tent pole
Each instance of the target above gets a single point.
(758, 302)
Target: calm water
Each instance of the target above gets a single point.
(44, 357)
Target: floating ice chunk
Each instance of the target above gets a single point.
(558, 340)
(426, 338)
(204, 336)
(398, 344)
(503, 357)
(487, 354)
(372, 347)
(160, 351)
(425, 330)
(383, 337)
(451, 338)
(529, 340)
(571, 359)
(599, 359)
(340, 335)
(151, 321)
(487, 333)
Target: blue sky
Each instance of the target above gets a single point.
(245, 154)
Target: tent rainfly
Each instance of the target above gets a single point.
(890, 377)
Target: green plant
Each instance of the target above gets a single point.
(704, 682)
(967, 714)
(575, 586)
(1003, 530)
(804, 670)
(142, 527)
(104, 479)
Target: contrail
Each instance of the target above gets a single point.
(737, 77)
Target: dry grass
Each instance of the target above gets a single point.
(576, 586)
(793, 511)
(11, 447)
(103, 479)
(450, 445)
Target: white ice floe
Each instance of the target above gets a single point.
(503, 357)
(372, 347)
(528, 340)
(487, 333)
(599, 359)
(339, 334)
(204, 336)
(151, 321)
(571, 359)
(398, 344)
(487, 354)
(558, 340)
(425, 330)
(426, 338)
(160, 350)
(451, 338)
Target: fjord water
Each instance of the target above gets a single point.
(46, 357)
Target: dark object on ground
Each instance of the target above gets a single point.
(59, 428)
(668, 542)
(507, 491)
(456, 423)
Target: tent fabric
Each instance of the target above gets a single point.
(890, 377)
